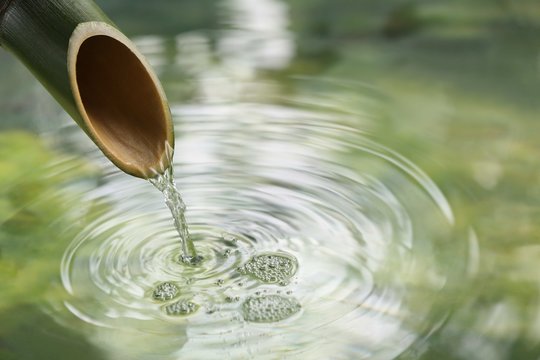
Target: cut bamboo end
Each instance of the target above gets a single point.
(120, 99)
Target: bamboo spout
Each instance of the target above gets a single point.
(97, 75)
(119, 98)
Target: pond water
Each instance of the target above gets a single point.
(361, 181)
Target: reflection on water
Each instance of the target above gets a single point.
(320, 238)
(260, 38)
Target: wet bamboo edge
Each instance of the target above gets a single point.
(97, 75)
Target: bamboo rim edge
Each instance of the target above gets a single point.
(85, 31)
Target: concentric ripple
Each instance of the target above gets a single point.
(367, 238)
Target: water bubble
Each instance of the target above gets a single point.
(220, 282)
(181, 308)
(227, 253)
(269, 308)
(165, 291)
(270, 268)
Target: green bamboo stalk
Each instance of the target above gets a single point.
(97, 75)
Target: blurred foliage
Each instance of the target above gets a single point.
(163, 17)
(402, 21)
(35, 229)
(26, 333)
(15, 112)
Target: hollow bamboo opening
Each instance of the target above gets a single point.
(121, 101)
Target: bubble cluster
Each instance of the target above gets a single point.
(165, 291)
(181, 308)
(270, 268)
(269, 308)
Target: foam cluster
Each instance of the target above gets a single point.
(270, 268)
(165, 291)
(181, 308)
(269, 308)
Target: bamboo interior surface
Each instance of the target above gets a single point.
(109, 89)
(121, 101)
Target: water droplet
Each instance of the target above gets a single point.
(220, 282)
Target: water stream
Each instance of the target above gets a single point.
(166, 185)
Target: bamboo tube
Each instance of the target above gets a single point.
(97, 75)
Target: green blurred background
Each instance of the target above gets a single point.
(452, 85)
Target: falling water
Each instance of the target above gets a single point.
(165, 183)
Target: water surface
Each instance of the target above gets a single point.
(387, 153)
